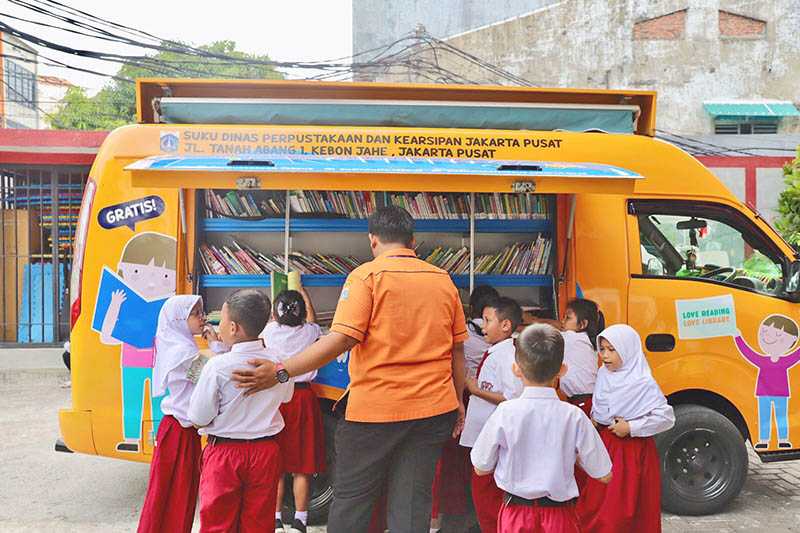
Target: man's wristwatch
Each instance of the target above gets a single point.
(281, 374)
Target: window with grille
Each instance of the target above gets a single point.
(729, 127)
(20, 84)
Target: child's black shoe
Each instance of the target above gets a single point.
(297, 527)
(279, 526)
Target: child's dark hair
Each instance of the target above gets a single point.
(783, 323)
(481, 295)
(250, 309)
(539, 352)
(506, 309)
(290, 308)
(587, 310)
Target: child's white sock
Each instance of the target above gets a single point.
(278, 516)
(302, 516)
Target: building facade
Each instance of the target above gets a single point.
(19, 84)
(726, 71)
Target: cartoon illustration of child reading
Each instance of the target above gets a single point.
(777, 335)
(126, 313)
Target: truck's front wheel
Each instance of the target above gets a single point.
(703, 462)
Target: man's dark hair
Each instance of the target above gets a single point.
(506, 309)
(392, 224)
(540, 352)
(250, 309)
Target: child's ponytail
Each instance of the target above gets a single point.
(587, 310)
(289, 309)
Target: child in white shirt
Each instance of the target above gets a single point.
(580, 326)
(303, 439)
(241, 464)
(495, 383)
(532, 443)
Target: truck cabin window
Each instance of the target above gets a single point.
(696, 247)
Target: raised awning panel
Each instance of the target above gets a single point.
(751, 108)
(408, 113)
(384, 173)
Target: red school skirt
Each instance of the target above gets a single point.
(632, 500)
(174, 479)
(302, 440)
(584, 401)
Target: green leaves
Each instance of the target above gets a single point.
(789, 203)
(115, 104)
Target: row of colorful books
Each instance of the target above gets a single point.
(521, 258)
(360, 204)
(243, 259)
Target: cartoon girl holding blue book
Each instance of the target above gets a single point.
(126, 314)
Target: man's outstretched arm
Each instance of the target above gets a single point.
(262, 375)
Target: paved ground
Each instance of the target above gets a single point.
(47, 491)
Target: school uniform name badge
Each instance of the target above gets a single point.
(130, 213)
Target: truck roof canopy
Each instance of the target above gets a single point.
(376, 104)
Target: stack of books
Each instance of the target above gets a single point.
(426, 206)
(521, 258)
(510, 206)
(361, 204)
(242, 259)
(238, 259)
(453, 260)
(237, 204)
(350, 204)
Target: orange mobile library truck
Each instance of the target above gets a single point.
(543, 193)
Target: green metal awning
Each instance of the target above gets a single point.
(771, 109)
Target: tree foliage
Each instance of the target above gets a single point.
(115, 104)
(789, 203)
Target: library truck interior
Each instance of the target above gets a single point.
(544, 194)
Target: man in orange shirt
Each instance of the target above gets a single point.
(403, 320)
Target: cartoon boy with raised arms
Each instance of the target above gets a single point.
(147, 267)
(777, 335)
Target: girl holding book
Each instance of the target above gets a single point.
(302, 440)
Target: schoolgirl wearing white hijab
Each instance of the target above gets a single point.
(175, 469)
(628, 409)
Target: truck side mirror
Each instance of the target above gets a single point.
(793, 277)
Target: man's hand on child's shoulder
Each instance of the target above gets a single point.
(260, 377)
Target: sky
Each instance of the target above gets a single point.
(301, 30)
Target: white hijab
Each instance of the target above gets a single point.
(175, 343)
(629, 392)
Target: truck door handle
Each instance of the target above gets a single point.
(660, 342)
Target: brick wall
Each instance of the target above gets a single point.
(733, 25)
(666, 27)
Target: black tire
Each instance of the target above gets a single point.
(322, 488)
(703, 462)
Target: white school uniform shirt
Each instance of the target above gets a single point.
(286, 341)
(176, 403)
(497, 375)
(581, 360)
(174, 351)
(475, 346)
(533, 442)
(222, 409)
